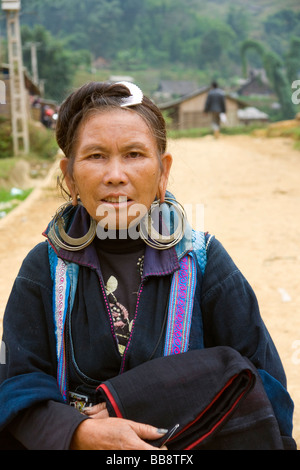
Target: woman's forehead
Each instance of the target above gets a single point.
(118, 124)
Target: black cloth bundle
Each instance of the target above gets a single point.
(215, 395)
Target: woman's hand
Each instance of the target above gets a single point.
(114, 434)
(98, 411)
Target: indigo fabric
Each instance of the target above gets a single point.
(215, 395)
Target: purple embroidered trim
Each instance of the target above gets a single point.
(181, 307)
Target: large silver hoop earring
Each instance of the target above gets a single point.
(60, 238)
(167, 215)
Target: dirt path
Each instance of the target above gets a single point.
(249, 188)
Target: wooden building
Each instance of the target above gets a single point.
(32, 90)
(257, 84)
(187, 112)
(34, 100)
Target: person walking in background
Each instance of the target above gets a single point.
(215, 104)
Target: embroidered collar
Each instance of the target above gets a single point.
(157, 262)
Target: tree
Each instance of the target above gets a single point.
(276, 74)
(293, 60)
(162, 33)
(282, 22)
(280, 27)
(97, 22)
(215, 42)
(56, 63)
(238, 20)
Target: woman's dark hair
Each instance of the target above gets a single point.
(96, 96)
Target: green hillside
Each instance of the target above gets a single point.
(156, 39)
(259, 9)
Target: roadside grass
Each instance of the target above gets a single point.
(202, 132)
(6, 167)
(43, 150)
(253, 129)
(9, 199)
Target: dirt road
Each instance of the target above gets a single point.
(248, 190)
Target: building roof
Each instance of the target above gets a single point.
(32, 87)
(252, 114)
(189, 96)
(177, 87)
(199, 91)
(256, 84)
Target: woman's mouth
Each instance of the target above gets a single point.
(119, 212)
(116, 199)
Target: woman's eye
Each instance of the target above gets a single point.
(96, 156)
(134, 154)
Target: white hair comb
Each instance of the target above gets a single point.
(136, 96)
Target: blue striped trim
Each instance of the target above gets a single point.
(182, 295)
(181, 307)
(61, 293)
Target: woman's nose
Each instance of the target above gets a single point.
(115, 172)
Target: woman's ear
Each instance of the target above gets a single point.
(166, 164)
(64, 164)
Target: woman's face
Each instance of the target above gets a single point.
(117, 172)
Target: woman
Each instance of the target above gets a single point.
(113, 290)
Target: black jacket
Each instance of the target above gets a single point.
(225, 312)
(215, 101)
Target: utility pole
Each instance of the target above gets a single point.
(16, 73)
(34, 63)
(33, 46)
(2, 92)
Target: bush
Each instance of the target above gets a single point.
(6, 143)
(6, 167)
(42, 141)
(189, 133)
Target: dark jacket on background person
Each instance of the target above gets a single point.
(215, 101)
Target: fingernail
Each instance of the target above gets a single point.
(162, 431)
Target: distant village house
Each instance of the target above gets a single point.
(257, 84)
(187, 111)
